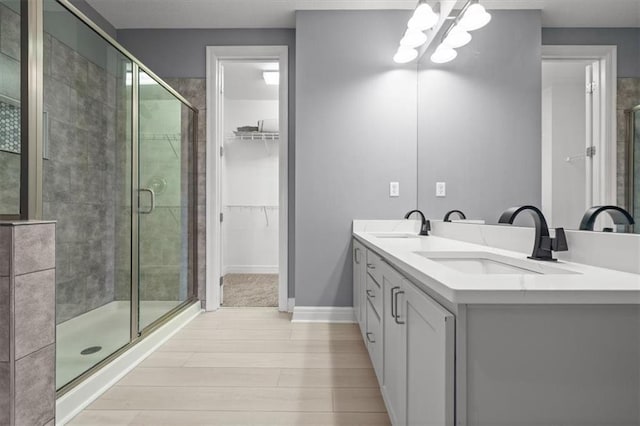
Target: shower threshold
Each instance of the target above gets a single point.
(79, 347)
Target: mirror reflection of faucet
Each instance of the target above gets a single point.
(619, 216)
(447, 216)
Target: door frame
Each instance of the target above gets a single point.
(215, 55)
(605, 164)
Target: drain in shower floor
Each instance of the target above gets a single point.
(91, 350)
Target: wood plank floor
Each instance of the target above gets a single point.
(248, 366)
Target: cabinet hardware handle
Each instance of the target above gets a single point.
(370, 294)
(395, 302)
(371, 266)
(393, 311)
(369, 338)
(355, 255)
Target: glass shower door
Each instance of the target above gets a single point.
(165, 125)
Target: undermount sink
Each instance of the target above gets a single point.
(393, 235)
(491, 264)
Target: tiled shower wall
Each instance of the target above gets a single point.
(79, 177)
(628, 97)
(194, 90)
(9, 88)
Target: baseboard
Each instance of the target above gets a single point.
(323, 314)
(77, 399)
(250, 269)
(291, 303)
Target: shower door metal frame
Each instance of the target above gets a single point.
(32, 102)
(630, 156)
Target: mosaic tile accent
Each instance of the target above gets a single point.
(9, 127)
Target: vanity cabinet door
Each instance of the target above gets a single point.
(429, 334)
(359, 285)
(395, 372)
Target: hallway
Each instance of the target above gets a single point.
(248, 366)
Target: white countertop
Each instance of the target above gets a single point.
(587, 284)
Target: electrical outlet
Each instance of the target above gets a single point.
(394, 189)
(441, 189)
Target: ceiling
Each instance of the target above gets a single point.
(281, 13)
(243, 80)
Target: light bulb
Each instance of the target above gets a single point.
(474, 17)
(405, 54)
(413, 38)
(443, 54)
(423, 18)
(457, 37)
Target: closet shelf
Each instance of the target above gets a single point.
(255, 136)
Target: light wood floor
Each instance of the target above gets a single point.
(248, 366)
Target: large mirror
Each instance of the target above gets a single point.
(541, 107)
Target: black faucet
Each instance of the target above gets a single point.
(543, 244)
(426, 224)
(450, 212)
(619, 215)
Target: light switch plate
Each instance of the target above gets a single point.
(394, 189)
(441, 189)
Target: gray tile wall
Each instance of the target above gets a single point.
(27, 323)
(194, 90)
(9, 87)
(628, 96)
(79, 184)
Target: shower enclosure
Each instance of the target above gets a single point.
(114, 166)
(633, 165)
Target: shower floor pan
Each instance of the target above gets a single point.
(87, 339)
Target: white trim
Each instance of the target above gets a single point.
(214, 140)
(323, 314)
(73, 402)
(291, 303)
(250, 269)
(607, 55)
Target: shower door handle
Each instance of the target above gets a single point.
(153, 201)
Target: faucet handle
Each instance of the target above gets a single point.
(425, 227)
(559, 243)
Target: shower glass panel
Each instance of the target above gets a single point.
(87, 189)
(164, 157)
(10, 146)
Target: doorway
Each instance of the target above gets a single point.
(248, 186)
(578, 131)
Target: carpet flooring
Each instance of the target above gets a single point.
(250, 290)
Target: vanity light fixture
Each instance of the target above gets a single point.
(413, 38)
(423, 18)
(472, 17)
(405, 54)
(443, 54)
(272, 78)
(457, 37)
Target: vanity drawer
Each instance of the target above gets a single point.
(374, 340)
(374, 266)
(374, 294)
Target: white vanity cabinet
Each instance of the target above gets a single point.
(359, 285)
(410, 338)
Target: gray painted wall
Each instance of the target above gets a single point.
(96, 17)
(479, 121)
(355, 132)
(182, 54)
(627, 40)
